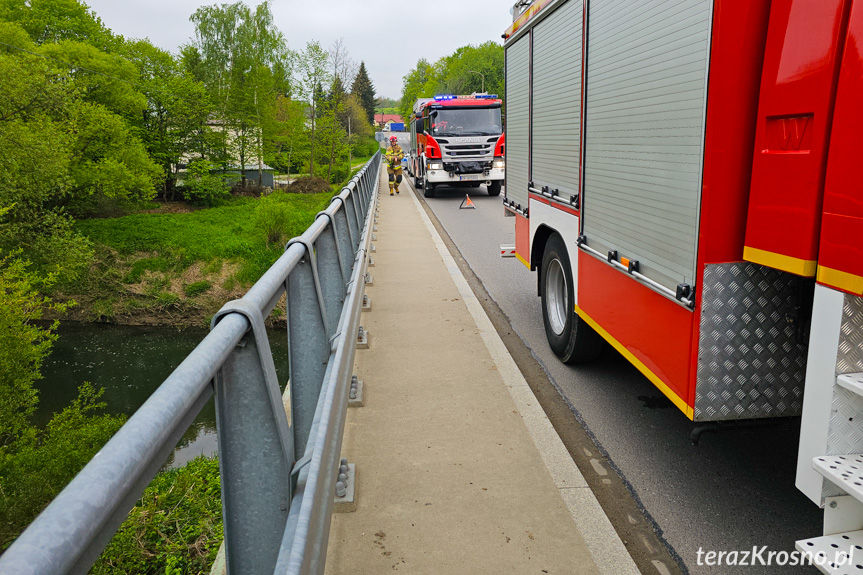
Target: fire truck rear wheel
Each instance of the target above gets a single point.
(494, 188)
(570, 338)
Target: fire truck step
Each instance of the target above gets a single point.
(846, 471)
(838, 554)
(851, 382)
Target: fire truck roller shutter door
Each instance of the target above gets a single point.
(647, 64)
(517, 119)
(556, 137)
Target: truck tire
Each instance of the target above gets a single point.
(428, 190)
(494, 188)
(570, 338)
(418, 182)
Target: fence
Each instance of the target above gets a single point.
(278, 456)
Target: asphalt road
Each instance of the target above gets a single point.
(734, 491)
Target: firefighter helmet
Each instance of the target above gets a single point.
(393, 139)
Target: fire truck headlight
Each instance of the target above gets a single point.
(435, 166)
(498, 163)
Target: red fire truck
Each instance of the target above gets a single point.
(683, 178)
(457, 141)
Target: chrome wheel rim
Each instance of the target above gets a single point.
(556, 297)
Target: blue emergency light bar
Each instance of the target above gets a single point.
(443, 97)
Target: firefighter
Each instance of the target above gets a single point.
(394, 157)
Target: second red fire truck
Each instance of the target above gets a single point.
(457, 141)
(684, 178)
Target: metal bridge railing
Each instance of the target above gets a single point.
(279, 457)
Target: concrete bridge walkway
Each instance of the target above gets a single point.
(458, 469)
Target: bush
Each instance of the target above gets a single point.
(176, 526)
(23, 345)
(272, 216)
(308, 185)
(34, 469)
(366, 147)
(340, 173)
(204, 187)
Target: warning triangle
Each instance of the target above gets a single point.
(467, 204)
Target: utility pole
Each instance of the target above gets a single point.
(483, 79)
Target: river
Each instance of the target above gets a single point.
(130, 362)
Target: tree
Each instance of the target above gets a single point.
(336, 126)
(48, 21)
(344, 67)
(35, 160)
(177, 108)
(456, 70)
(313, 73)
(454, 74)
(418, 83)
(244, 61)
(284, 135)
(364, 90)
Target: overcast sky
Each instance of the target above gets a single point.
(390, 36)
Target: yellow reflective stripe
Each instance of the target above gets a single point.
(522, 260)
(839, 279)
(654, 379)
(805, 268)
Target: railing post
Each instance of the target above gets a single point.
(308, 349)
(330, 275)
(255, 449)
(346, 238)
(353, 216)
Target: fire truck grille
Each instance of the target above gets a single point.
(468, 151)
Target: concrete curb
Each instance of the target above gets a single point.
(606, 548)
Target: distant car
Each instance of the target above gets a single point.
(405, 163)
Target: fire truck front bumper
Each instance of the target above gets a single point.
(435, 174)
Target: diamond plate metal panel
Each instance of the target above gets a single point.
(750, 364)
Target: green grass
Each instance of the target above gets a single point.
(231, 232)
(175, 528)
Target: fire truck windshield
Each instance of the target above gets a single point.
(466, 122)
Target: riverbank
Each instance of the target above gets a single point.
(177, 266)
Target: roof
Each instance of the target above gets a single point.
(388, 118)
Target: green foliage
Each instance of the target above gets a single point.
(55, 20)
(364, 90)
(205, 187)
(176, 526)
(272, 217)
(453, 74)
(108, 159)
(24, 343)
(197, 288)
(35, 468)
(365, 147)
